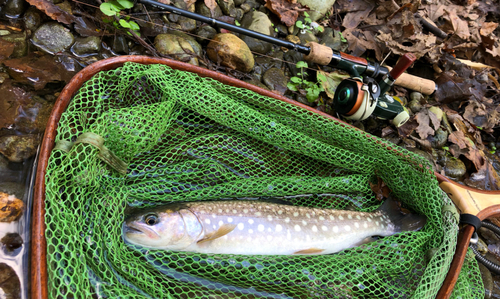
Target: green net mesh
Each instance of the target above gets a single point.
(187, 138)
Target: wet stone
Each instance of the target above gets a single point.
(18, 148)
(53, 38)
(454, 168)
(205, 33)
(228, 7)
(87, 46)
(202, 9)
(416, 96)
(487, 281)
(11, 208)
(414, 106)
(330, 39)
(11, 242)
(19, 40)
(32, 19)
(190, 39)
(14, 8)
(439, 139)
(120, 45)
(176, 47)
(246, 7)
(306, 37)
(275, 79)
(495, 293)
(257, 21)
(9, 283)
(228, 50)
(256, 82)
(238, 2)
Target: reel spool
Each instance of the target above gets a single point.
(356, 99)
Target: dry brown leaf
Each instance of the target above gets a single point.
(423, 128)
(287, 12)
(212, 5)
(355, 17)
(420, 44)
(459, 138)
(53, 11)
(6, 49)
(488, 28)
(359, 41)
(460, 27)
(483, 114)
(495, 51)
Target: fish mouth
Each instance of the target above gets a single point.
(132, 229)
(127, 229)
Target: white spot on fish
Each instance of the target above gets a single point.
(207, 221)
(269, 238)
(258, 214)
(365, 225)
(234, 211)
(369, 219)
(349, 216)
(227, 210)
(269, 217)
(250, 221)
(278, 228)
(335, 229)
(314, 228)
(324, 228)
(307, 215)
(229, 219)
(269, 229)
(245, 211)
(260, 228)
(347, 228)
(287, 219)
(304, 222)
(214, 226)
(250, 231)
(280, 212)
(295, 214)
(220, 210)
(297, 227)
(321, 218)
(332, 218)
(376, 223)
(221, 223)
(341, 218)
(214, 216)
(288, 235)
(241, 226)
(382, 225)
(358, 217)
(356, 225)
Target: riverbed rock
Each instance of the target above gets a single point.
(190, 39)
(14, 8)
(175, 46)
(256, 82)
(229, 50)
(32, 19)
(20, 44)
(87, 46)
(454, 168)
(318, 8)
(306, 37)
(437, 111)
(275, 79)
(10, 242)
(9, 283)
(414, 106)
(53, 38)
(228, 7)
(331, 39)
(11, 208)
(205, 33)
(439, 139)
(202, 9)
(260, 22)
(18, 148)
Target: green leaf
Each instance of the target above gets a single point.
(312, 95)
(301, 64)
(296, 80)
(321, 77)
(446, 148)
(299, 24)
(276, 29)
(308, 20)
(237, 23)
(306, 14)
(124, 23)
(291, 86)
(126, 4)
(134, 26)
(342, 38)
(109, 9)
(320, 29)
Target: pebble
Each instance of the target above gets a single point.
(202, 9)
(86, 46)
(53, 38)
(416, 96)
(205, 33)
(11, 242)
(439, 139)
(18, 148)
(415, 106)
(32, 19)
(275, 79)
(487, 281)
(259, 22)
(437, 111)
(231, 51)
(190, 39)
(175, 46)
(14, 8)
(11, 208)
(9, 282)
(21, 46)
(454, 168)
(228, 7)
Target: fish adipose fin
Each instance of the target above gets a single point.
(309, 251)
(223, 230)
(402, 222)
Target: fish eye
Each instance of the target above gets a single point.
(151, 219)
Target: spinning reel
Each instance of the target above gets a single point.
(357, 98)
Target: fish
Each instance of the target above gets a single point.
(262, 228)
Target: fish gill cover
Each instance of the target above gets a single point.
(187, 138)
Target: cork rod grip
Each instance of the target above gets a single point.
(424, 86)
(319, 54)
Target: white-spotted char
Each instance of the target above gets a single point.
(261, 228)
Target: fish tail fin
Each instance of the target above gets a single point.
(402, 222)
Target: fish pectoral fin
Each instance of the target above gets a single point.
(223, 230)
(309, 251)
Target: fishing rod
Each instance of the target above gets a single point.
(356, 98)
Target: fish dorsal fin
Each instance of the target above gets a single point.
(223, 230)
(309, 251)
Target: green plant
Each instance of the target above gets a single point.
(113, 9)
(311, 89)
(306, 25)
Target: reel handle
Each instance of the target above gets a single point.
(403, 63)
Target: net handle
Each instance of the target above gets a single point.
(482, 204)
